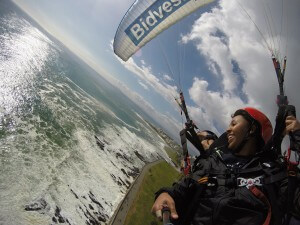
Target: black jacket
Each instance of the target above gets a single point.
(216, 193)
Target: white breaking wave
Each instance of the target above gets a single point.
(69, 158)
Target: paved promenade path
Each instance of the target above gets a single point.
(120, 215)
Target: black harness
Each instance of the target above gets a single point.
(240, 177)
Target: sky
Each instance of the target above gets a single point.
(218, 56)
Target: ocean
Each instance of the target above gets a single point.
(70, 143)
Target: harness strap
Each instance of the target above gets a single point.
(190, 210)
(234, 171)
(277, 214)
(275, 178)
(258, 194)
(227, 182)
(250, 170)
(292, 186)
(191, 135)
(187, 164)
(184, 143)
(235, 181)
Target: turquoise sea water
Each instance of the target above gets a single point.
(70, 143)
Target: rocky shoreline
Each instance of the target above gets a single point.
(88, 206)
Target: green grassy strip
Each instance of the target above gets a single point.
(174, 155)
(158, 176)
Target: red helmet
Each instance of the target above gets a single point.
(262, 119)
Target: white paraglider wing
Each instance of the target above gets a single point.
(146, 19)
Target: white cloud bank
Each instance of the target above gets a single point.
(144, 73)
(147, 79)
(227, 35)
(143, 85)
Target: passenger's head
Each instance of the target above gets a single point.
(206, 138)
(248, 125)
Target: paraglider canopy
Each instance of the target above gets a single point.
(145, 19)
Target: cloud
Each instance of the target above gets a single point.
(143, 85)
(166, 121)
(213, 109)
(226, 36)
(167, 77)
(144, 73)
(213, 47)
